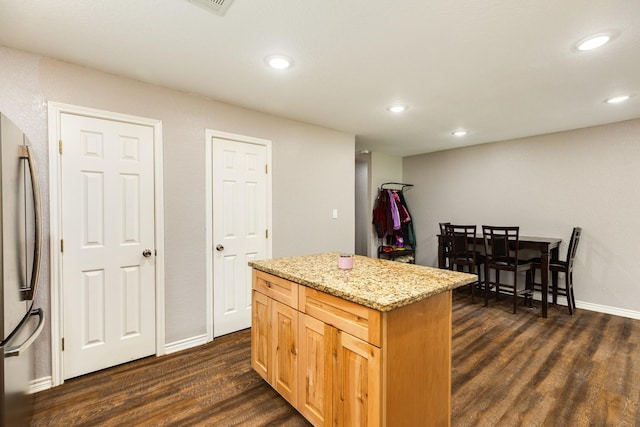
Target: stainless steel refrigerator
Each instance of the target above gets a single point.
(20, 248)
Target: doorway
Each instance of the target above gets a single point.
(106, 239)
(238, 225)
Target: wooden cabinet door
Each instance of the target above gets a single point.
(284, 350)
(315, 363)
(261, 334)
(356, 382)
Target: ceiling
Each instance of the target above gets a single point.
(502, 69)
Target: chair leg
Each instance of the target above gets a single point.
(554, 286)
(529, 294)
(473, 285)
(486, 286)
(478, 282)
(573, 298)
(569, 291)
(515, 291)
(497, 284)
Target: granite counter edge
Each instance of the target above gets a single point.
(359, 300)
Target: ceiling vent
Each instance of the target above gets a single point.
(219, 7)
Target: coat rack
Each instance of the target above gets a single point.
(402, 184)
(396, 229)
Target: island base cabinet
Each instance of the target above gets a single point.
(356, 378)
(416, 372)
(274, 349)
(261, 334)
(315, 374)
(339, 376)
(335, 378)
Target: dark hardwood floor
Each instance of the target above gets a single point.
(508, 370)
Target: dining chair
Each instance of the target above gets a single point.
(446, 244)
(557, 266)
(463, 253)
(501, 249)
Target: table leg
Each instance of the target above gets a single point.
(544, 273)
(554, 276)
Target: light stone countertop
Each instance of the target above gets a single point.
(375, 283)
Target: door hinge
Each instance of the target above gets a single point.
(62, 344)
(266, 233)
(266, 168)
(60, 146)
(61, 245)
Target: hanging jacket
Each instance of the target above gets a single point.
(403, 213)
(380, 213)
(393, 207)
(407, 228)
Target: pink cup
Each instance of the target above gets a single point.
(345, 262)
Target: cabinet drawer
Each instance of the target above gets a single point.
(355, 319)
(277, 288)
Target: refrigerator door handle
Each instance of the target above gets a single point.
(25, 153)
(16, 350)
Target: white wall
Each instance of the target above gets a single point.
(313, 171)
(546, 184)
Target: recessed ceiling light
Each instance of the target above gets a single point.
(397, 108)
(617, 99)
(460, 132)
(279, 62)
(593, 42)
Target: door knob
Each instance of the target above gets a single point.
(219, 248)
(146, 253)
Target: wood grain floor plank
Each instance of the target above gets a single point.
(507, 370)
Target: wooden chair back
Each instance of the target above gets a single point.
(447, 243)
(501, 244)
(573, 247)
(463, 242)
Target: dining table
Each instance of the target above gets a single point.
(546, 247)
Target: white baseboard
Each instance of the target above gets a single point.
(185, 344)
(622, 312)
(40, 384)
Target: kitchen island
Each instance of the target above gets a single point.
(369, 346)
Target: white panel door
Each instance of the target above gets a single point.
(239, 229)
(108, 279)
